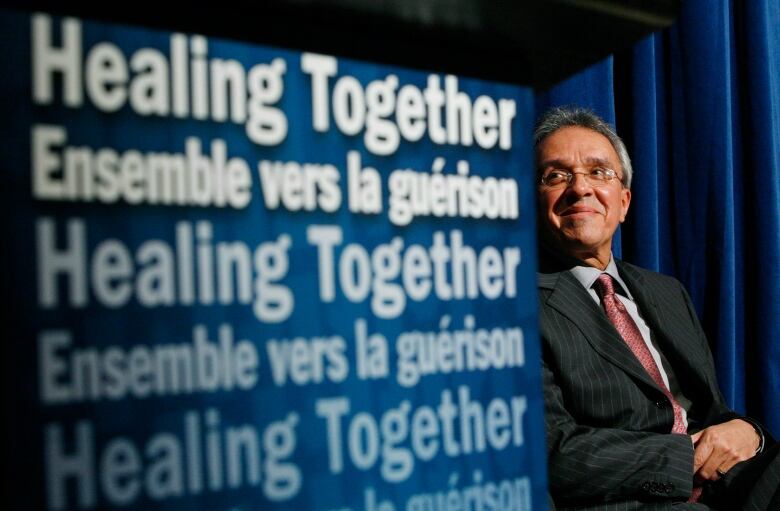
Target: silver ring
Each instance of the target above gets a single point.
(720, 472)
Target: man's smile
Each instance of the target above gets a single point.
(575, 211)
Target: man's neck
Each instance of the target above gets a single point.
(553, 259)
(595, 260)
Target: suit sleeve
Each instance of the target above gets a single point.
(604, 464)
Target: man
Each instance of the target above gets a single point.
(633, 414)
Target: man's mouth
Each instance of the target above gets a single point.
(578, 211)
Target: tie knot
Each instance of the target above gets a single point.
(604, 285)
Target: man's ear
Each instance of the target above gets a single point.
(625, 201)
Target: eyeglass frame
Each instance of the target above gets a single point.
(611, 173)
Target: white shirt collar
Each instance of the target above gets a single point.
(587, 275)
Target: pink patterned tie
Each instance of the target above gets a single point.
(626, 327)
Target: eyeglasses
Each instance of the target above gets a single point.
(597, 176)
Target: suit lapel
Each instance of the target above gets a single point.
(645, 301)
(570, 299)
(678, 353)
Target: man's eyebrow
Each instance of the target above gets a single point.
(557, 163)
(595, 160)
(564, 164)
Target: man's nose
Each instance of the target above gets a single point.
(579, 185)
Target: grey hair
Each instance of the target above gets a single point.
(564, 116)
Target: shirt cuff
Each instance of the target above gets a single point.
(759, 432)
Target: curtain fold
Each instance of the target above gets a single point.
(699, 108)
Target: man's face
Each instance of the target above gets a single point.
(580, 219)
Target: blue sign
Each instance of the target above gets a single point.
(249, 278)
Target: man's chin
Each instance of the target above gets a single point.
(570, 236)
(575, 237)
(575, 244)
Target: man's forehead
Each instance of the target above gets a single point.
(573, 145)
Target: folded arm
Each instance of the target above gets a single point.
(605, 464)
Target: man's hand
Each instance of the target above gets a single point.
(720, 447)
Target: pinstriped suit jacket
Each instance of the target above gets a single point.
(608, 424)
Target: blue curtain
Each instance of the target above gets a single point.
(698, 105)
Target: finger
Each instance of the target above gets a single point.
(720, 455)
(721, 472)
(696, 436)
(701, 455)
(709, 470)
(728, 463)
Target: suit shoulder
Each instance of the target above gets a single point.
(637, 272)
(546, 280)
